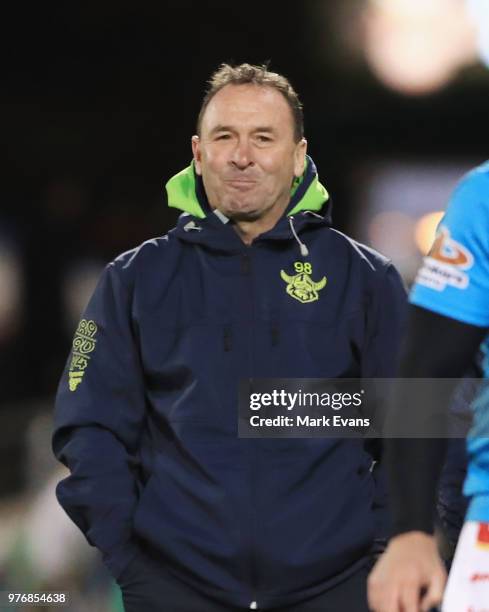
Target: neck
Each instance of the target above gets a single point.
(249, 230)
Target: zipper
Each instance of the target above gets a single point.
(227, 338)
(245, 264)
(246, 270)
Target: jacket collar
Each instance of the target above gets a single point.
(186, 192)
(309, 204)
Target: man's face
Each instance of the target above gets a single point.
(246, 152)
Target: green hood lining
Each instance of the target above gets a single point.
(181, 194)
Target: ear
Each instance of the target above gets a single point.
(197, 153)
(300, 157)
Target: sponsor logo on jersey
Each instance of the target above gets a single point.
(449, 251)
(301, 286)
(445, 263)
(84, 343)
(479, 577)
(468, 582)
(483, 537)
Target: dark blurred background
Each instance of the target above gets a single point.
(98, 104)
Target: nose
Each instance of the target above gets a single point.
(242, 155)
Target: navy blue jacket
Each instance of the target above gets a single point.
(146, 416)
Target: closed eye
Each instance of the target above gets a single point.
(263, 138)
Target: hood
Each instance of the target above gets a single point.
(186, 192)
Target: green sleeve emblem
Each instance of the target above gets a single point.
(83, 344)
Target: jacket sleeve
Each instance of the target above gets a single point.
(100, 410)
(436, 346)
(451, 504)
(386, 323)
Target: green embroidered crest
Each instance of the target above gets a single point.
(83, 344)
(301, 286)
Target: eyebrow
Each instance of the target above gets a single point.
(228, 128)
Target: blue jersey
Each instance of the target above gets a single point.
(454, 282)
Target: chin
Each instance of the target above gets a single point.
(242, 215)
(241, 212)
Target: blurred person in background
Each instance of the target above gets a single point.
(253, 281)
(40, 548)
(449, 319)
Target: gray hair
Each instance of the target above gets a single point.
(245, 74)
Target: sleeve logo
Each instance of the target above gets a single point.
(445, 264)
(84, 343)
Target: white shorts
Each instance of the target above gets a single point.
(468, 583)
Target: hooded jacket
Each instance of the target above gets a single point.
(146, 415)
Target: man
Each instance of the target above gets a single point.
(187, 515)
(448, 323)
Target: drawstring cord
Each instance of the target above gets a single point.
(191, 225)
(304, 249)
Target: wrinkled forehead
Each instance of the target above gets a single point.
(248, 107)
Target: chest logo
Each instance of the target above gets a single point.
(301, 286)
(83, 344)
